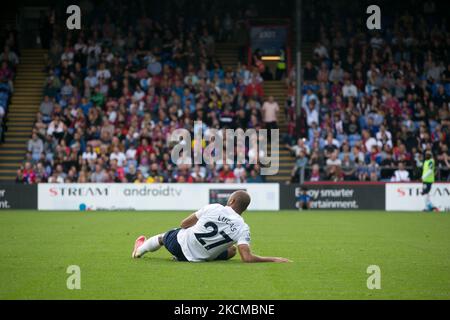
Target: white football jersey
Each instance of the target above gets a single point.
(217, 229)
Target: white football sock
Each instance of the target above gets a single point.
(150, 245)
(427, 200)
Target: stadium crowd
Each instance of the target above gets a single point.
(9, 60)
(117, 89)
(373, 102)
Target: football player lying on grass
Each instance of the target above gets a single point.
(208, 234)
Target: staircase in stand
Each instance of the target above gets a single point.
(27, 96)
(227, 54)
(278, 90)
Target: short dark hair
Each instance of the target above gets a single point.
(242, 200)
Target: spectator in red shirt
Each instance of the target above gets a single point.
(145, 146)
(315, 173)
(254, 89)
(28, 174)
(226, 175)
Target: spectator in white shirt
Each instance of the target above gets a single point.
(384, 136)
(55, 127)
(334, 160)
(102, 72)
(270, 110)
(320, 51)
(239, 173)
(299, 147)
(119, 156)
(369, 141)
(89, 154)
(131, 152)
(349, 90)
(55, 178)
(139, 94)
(373, 72)
(312, 113)
(308, 97)
(67, 55)
(401, 175)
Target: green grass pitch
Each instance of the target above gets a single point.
(331, 253)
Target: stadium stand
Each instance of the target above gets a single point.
(112, 98)
(24, 105)
(8, 68)
(372, 103)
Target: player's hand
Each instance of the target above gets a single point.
(281, 260)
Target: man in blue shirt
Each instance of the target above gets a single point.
(304, 199)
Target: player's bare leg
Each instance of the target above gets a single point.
(143, 245)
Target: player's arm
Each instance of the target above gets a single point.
(193, 218)
(248, 257)
(189, 221)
